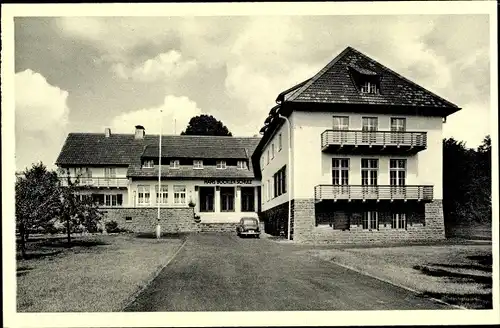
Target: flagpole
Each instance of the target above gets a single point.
(159, 198)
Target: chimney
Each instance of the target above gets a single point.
(139, 132)
(107, 132)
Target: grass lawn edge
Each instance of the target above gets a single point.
(397, 285)
(129, 300)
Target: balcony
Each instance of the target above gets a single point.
(98, 182)
(386, 192)
(373, 142)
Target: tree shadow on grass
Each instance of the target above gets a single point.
(37, 255)
(455, 276)
(486, 260)
(73, 243)
(484, 268)
(23, 270)
(165, 235)
(473, 301)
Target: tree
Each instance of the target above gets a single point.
(466, 183)
(206, 125)
(37, 197)
(76, 208)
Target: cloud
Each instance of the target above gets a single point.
(263, 55)
(165, 66)
(177, 111)
(470, 124)
(41, 118)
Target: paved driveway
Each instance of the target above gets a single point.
(221, 272)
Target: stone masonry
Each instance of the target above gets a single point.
(304, 229)
(172, 220)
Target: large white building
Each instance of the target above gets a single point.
(352, 154)
(209, 176)
(361, 157)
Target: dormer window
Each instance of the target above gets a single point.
(369, 87)
(221, 165)
(366, 80)
(174, 164)
(148, 164)
(197, 164)
(242, 165)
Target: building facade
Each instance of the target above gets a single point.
(210, 177)
(365, 161)
(353, 154)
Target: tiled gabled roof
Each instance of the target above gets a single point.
(334, 84)
(172, 151)
(87, 149)
(135, 171)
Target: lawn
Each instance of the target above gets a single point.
(458, 274)
(98, 273)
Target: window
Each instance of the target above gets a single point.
(144, 197)
(280, 142)
(398, 221)
(198, 164)
(162, 196)
(227, 199)
(148, 164)
(340, 171)
(370, 220)
(398, 125)
(179, 195)
(269, 190)
(272, 151)
(174, 164)
(397, 172)
(369, 87)
(221, 164)
(247, 199)
(207, 197)
(369, 172)
(369, 128)
(113, 200)
(280, 182)
(109, 172)
(261, 163)
(242, 165)
(341, 123)
(87, 175)
(84, 174)
(268, 159)
(397, 177)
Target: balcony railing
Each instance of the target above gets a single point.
(385, 192)
(98, 182)
(361, 141)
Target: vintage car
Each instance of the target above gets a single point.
(248, 227)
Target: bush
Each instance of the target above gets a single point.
(112, 226)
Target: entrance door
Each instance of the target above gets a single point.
(340, 220)
(207, 199)
(247, 199)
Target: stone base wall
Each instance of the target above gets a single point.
(275, 220)
(218, 227)
(172, 220)
(305, 229)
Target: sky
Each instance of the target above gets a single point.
(83, 74)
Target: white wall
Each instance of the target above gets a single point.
(313, 167)
(191, 194)
(97, 172)
(268, 170)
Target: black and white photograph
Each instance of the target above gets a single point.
(271, 163)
